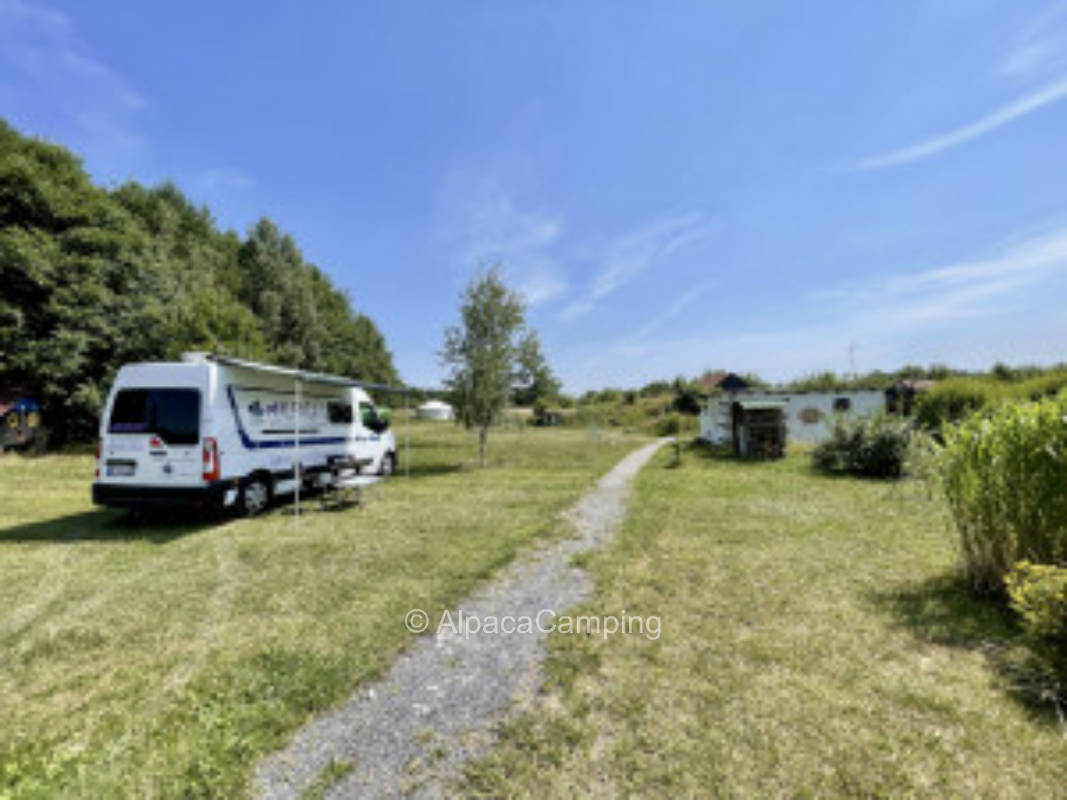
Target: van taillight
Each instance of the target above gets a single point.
(98, 458)
(212, 469)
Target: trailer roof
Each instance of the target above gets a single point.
(295, 374)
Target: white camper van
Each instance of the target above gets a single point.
(211, 431)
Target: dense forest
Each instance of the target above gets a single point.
(93, 278)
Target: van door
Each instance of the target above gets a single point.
(368, 437)
(153, 437)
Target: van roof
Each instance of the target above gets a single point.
(295, 374)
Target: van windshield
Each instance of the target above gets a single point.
(171, 414)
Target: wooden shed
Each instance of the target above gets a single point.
(758, 428)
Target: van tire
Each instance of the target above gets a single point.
(388, 465)
(255, 495)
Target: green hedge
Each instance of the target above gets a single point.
(955, 399)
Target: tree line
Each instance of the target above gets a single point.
(93, 278)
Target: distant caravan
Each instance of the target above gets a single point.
(213, 432)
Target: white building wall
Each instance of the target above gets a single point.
(808, 415)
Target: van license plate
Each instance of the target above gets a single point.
(119, 470)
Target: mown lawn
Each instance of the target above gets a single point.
(815, 643)
(163, 659)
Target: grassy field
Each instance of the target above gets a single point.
(161, 660)
(815, 643)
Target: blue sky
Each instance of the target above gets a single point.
(675, 186)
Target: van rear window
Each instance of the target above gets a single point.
(171, 414)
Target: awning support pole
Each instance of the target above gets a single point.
(298, 473)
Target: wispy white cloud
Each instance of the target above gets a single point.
(1027, 104)
(948, 291)
(951, 313)
(480, 223)
(91, 71)
(673, 311)
(629, 256)
(85, 100)
(576, 309)
(1039, 49)
(1036, 55)
(542, 284)
(15, 14)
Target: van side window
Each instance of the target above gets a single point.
(339, 413)
(842, 403)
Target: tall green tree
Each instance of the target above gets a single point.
(481, 353)
(534, 381)
(92, 278)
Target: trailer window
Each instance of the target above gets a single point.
(339, 413)
(171, 414)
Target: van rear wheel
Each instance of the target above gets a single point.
(255, 496)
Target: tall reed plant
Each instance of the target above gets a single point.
(1004, 475)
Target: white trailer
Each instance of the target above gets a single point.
(217, 432)
(808, 416)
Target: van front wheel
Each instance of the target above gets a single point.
(388, 465)
(255, 495)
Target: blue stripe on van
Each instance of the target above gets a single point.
(252, 444)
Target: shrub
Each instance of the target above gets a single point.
(670, 425)
(686, 400)
(1003, 474)
(952, 401)
(1038, 592)
(874, 446)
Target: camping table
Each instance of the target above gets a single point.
(343, 485)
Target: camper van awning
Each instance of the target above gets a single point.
(295, 374)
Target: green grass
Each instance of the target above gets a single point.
(816, 642)
(163, 659)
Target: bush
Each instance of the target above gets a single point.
(1038, 592)
(686, 401)
(670, 425)
(874, 446)
(1003, 474)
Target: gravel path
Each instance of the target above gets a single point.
(408, 735)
